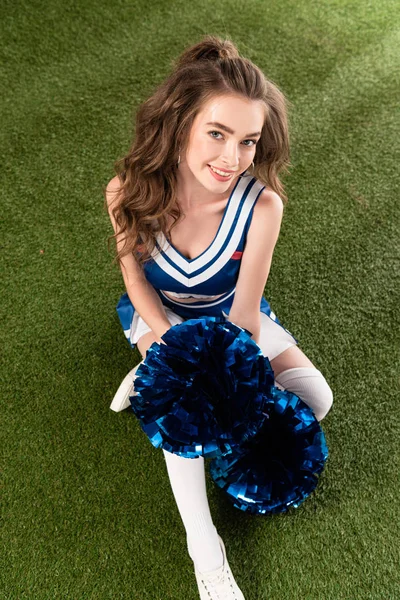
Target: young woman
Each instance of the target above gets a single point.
(196, 208)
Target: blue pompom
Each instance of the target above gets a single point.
(278, 467)
(202, 392)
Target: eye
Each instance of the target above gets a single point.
(247, 145)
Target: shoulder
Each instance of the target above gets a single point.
(113, 184)
(267, 213)
(112, 189)
(265, 223)
(269, 202)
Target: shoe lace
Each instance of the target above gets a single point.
(218, 583)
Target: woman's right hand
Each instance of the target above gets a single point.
(161, 332)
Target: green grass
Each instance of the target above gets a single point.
(88, 511)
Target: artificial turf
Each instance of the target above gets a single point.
(87, 507)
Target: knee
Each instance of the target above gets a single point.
(325, 399)
(310, 386)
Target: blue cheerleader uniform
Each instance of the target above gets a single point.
(209, 280)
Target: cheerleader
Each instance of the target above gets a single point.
(196, 207)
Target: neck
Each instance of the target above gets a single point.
(191, 194)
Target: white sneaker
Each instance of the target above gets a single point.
(126, 389)
(218, 584)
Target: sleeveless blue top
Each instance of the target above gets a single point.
(212, 275)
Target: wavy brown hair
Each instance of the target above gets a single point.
(147, 173)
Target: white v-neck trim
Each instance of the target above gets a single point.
(208, 257)
(226, 210)
(191, 265)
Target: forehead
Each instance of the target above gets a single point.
(233, 111)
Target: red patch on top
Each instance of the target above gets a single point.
(237, 255)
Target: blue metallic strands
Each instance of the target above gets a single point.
(202, 392)
(209, 391)
(278, 467)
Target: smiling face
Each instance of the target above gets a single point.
(229, 148)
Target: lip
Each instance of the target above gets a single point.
(219, 169)
(220, 178)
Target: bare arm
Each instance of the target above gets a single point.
(141, 293)
(256, 262)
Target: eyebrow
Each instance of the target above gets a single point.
(229, 130)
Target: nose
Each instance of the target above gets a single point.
(230, 156)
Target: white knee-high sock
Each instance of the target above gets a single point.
(310, 386)
(187, 478)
